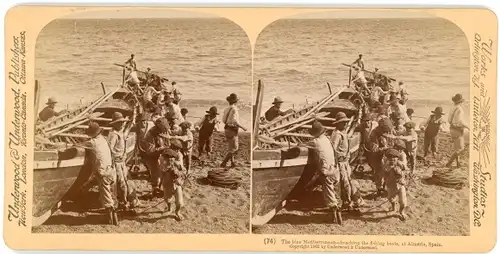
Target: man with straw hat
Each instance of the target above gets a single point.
(153, 145)
(103, 168)
(231, 120)
(340, 144)
(457, 128)
(326, 166)
(275, 111)
(375, 148)
(431, 128)
(117, 142)
(49, 111)
(206, 127)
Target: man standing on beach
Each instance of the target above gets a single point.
(375, 148)
(117, 142)
(131, 62)
(359, 62)
(152, 145)
(330, 174)
(275, 111)
(103, 168)
(231, 120)
(457, 128)
(340, 144)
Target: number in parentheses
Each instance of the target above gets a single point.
(269, 241)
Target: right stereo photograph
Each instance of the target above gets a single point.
(361, 125)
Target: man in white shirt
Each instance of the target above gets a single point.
(457, 128)
(231, 120)
(397, 108)
(360, 79)
(132, 78)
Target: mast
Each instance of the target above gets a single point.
(256, 111)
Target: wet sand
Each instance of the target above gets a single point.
(433, 209)
(208, 209)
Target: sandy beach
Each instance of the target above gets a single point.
(433, 209)
(208, 209)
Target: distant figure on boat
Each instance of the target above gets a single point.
(49, 111)
(359, 62)
(360, 80)
(327, 168)
(403, 93)
(132, 78)
(176, 93)
(131, 62)
(275, 111)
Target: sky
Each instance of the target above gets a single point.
(336, 14)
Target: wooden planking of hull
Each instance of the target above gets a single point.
(274, 175)
(54, 174)
(62, 175)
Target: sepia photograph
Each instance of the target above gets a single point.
(142, 123)
(361, 125)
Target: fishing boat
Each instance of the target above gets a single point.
(61, 167)
(283, 166)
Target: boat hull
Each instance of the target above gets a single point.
(274, 174)
(54, 174)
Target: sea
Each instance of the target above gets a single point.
(295, 58)
(208, 59)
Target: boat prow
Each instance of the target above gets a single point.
(274, 175)
(54, 174)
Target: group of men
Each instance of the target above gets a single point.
(389, 146)
(165, 143)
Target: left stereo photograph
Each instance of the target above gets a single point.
(142, 124)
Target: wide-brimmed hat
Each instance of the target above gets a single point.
(393, 98)
(317, 129)
(175, 144)
(341, 117)
(385, 124)
(410, 111)
(161, 123)
(438, 111)
(399, 144)
(212, 110)
(171, 153)
(457, 98)
(185, 125)
(232, 98)
(277, 100)
(171, 115)
(51, 100)
(401, 82)
(117, 117)
(93, 130)
(409, 125)
(391, 153)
